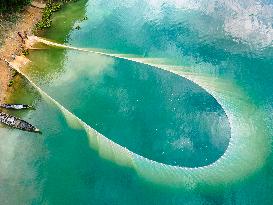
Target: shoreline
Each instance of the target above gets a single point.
(12, 44)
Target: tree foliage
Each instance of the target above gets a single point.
(9, 6)
(51, 7)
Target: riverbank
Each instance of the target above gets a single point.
(12, 43)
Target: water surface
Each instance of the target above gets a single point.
(153, 113)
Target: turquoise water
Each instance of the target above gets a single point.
(209, 109)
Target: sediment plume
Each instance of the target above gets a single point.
(237, 162)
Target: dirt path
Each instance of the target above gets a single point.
(12, 44)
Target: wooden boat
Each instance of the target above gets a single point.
(15, 106)
(16, 122)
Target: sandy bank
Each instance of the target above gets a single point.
(12, 44)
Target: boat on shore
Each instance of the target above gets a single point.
(16, 106)
(17, 123)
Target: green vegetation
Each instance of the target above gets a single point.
(14, 73)
(9, 6)
(10, 83)
(51, 6)
(25, 52)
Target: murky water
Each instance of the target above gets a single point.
(205, 114)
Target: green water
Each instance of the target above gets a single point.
(153, 113)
